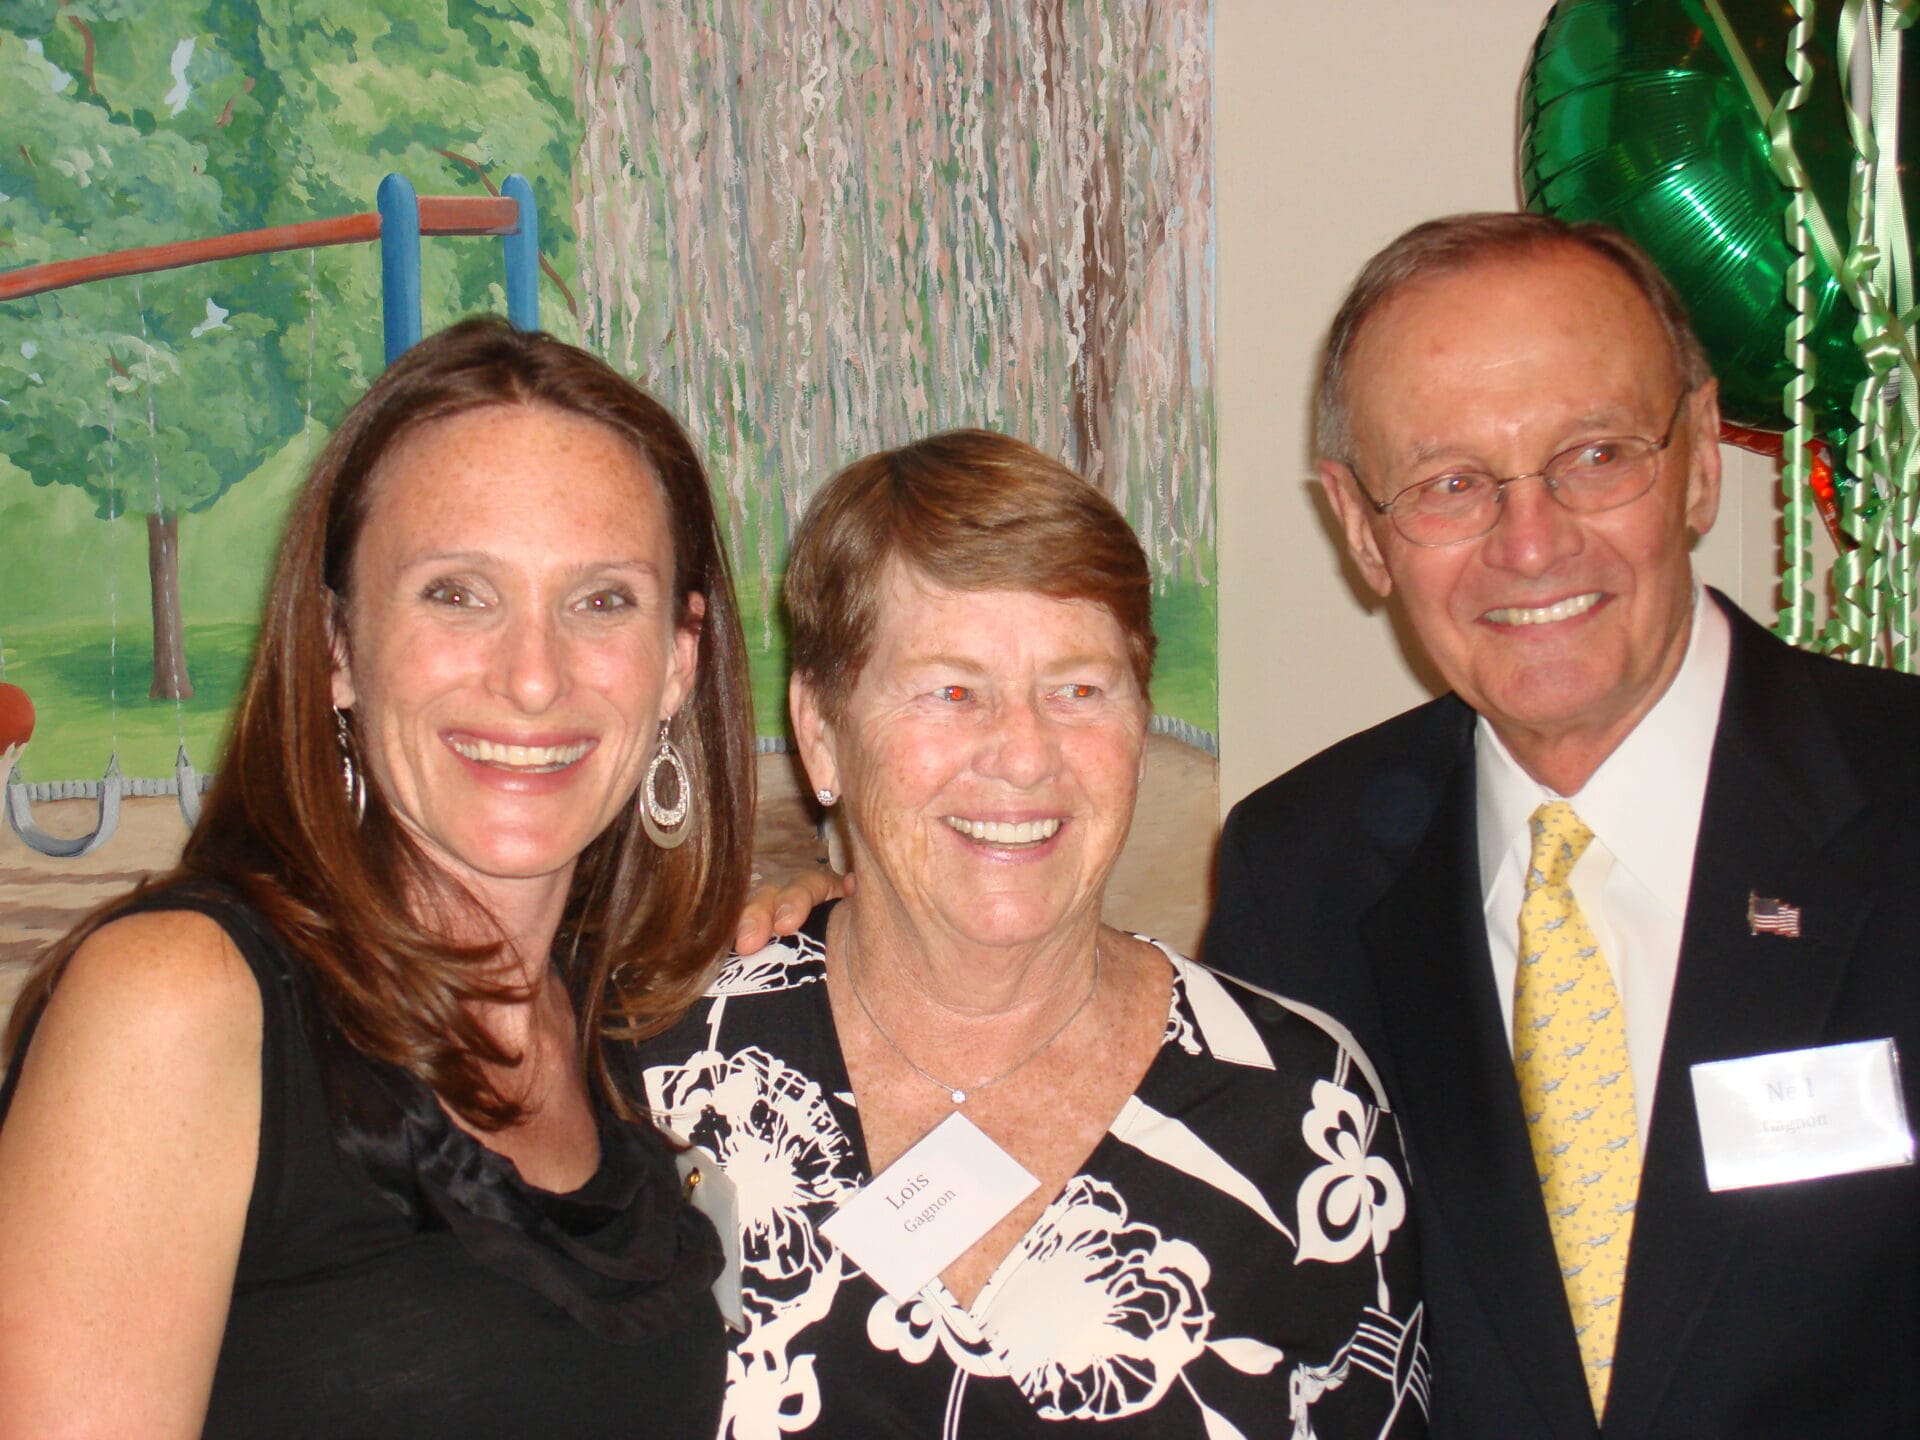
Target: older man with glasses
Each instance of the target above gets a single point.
(1641, 838)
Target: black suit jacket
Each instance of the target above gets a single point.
(1352, 883)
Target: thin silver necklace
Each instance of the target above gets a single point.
(960, 1094)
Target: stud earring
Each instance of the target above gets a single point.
(825, 796)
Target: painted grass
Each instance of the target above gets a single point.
(71, 671)
(88, 700)
(1186, 680)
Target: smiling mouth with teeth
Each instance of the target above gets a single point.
(1545, 614)
(1009, 833)
(532, 759)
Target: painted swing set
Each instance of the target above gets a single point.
(398, 221)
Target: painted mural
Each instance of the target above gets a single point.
(812, 230)
(822, 239)
(155, 424)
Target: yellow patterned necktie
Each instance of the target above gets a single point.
(1576, 1087)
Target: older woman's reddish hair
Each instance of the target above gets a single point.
(355, 897)
(969, 510)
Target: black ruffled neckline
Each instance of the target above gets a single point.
(624, 1255)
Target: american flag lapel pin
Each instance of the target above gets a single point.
(1772, 917)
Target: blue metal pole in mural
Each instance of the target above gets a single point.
(523, 258)
(399, 264)
(400, 261)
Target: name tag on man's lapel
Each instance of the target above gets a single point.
(1802, 1114)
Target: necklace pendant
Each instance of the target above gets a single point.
(959, 1097)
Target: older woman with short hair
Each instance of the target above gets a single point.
(1000, 1167)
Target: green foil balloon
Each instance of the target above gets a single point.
(1633, 114)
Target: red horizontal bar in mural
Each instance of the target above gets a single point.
(439, 215)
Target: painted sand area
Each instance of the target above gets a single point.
(1160, 887)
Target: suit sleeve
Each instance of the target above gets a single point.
(1242, 930)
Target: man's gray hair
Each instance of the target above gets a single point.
(1455, 243)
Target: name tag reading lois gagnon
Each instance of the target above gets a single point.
(1802, 1114)
(920, 1214)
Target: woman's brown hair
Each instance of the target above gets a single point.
(641, 927)
(970, 510)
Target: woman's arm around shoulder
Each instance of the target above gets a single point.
(126, 1164)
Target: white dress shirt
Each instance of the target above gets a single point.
(1643, 805)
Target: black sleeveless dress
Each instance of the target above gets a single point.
(397, 1278)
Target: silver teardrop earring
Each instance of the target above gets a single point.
(350, 775)
(668, 822)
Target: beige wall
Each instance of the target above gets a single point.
(1338, 125)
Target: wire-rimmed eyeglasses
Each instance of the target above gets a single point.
(1461, 505)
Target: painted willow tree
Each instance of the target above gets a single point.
(818, 230)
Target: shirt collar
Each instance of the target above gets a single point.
(1644, 801)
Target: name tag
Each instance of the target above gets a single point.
(920, 1214)
(1802, 1114)
(709, 1191)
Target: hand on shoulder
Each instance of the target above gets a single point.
(126, 1165)
(772, 911)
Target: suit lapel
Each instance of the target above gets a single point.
(1775, 798)
(1452, 1079)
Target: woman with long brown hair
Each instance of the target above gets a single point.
(316, 1135)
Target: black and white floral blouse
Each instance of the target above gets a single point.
(1230, 1261)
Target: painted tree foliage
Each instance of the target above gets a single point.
(819, 233)
(135, 122)
(93, 378)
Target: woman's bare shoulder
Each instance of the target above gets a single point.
(160, 969)
(160, 998)
(126, 1164)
